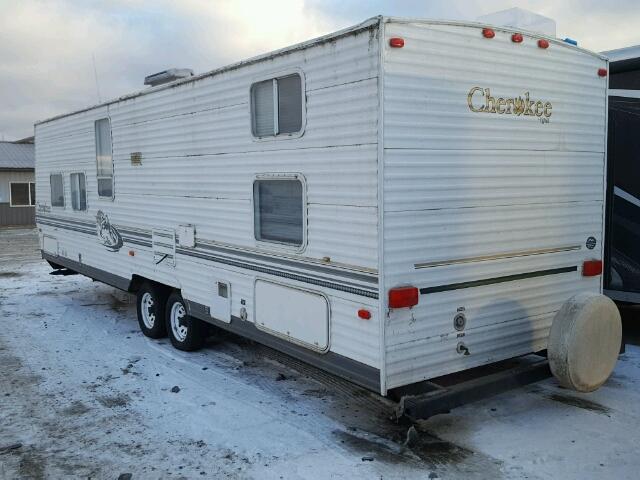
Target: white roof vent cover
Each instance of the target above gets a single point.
(521, 19)
(167, 76)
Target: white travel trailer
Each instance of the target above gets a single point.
(393, 202)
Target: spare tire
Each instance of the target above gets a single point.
(584, 341)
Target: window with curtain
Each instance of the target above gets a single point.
(104, 158)
(276, 106)
(57, 190)
(278, 213)
(78, 191)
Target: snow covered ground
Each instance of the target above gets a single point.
(84, 394)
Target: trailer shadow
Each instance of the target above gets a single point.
(362, 419)
(367, 428)
(582, 403)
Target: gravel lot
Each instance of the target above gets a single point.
(83, 394)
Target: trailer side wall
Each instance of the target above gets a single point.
(185, 156)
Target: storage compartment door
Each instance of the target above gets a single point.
(50, 245)
(299, 316)
(220, 307)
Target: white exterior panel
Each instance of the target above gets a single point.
(487, 213)
(427, 83)
(195, 163)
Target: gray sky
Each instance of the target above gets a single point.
(47, 47)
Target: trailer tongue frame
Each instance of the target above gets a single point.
(443, 394)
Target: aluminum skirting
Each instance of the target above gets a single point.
(88, 271)
(356, 372)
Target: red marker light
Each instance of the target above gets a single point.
(517, 38)
(364, 314)
(542, 43)
(592, 268)
(488, 33)
(403, 297)
(132, 253)
(602, 72)
(396, 42)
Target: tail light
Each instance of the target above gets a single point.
(396, 42)
(403, 297)
(602, 72)
(592, 268)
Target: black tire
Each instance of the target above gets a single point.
(185, 332)
(153, 324)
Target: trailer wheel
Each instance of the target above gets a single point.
(150, 302)
(185, 332)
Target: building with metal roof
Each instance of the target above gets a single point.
(17, 183)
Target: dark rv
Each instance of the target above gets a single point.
(622, 279)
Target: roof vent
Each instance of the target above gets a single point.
(167, 76)
(521, 19)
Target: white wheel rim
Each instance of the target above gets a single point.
(178, 326)
(148, 312)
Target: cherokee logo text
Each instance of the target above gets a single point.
(480, 100)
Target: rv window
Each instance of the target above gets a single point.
(263, 122)
(289, 104)
(277, 106)
(22, 194)
(104, 158)
(278, 212)
(57, 190)
(78, 191)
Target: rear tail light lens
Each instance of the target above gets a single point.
(592, 268)
(488, 33)
(517, 38)
(542, 43)
(403, 297)
(602, 72)
(396, 42)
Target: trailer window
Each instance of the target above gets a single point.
(278, 211)
(104, 158)
(57, 190)
(22, 194)
(78, 191)
(276, 106)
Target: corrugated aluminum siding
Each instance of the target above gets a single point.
(475, 196)
(198, 163)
